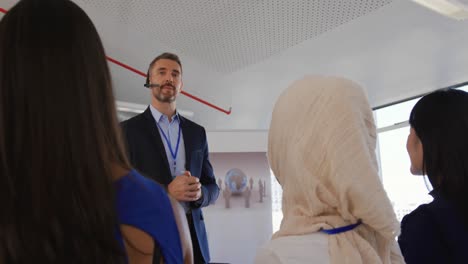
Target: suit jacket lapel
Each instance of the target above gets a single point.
(187, 141)
(156, 139)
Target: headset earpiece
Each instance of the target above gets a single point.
(147, 85)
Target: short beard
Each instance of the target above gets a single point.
(163, 99)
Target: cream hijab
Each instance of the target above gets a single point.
(321, 148)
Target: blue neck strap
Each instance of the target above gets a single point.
(173, 153)
(342, 229)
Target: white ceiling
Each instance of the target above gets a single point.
(243, 53)
(228, 35)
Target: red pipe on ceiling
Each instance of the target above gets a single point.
(125, 66)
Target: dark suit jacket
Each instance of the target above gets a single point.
(147, 154)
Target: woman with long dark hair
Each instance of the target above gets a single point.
(438, 147)
(67, 192)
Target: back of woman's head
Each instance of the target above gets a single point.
(440, 120)
(321, 148)
(317, 118)
(58, 138)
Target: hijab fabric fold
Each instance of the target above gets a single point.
(321, 148)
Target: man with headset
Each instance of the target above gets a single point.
(173, 150)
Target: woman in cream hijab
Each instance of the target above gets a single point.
(321, 148)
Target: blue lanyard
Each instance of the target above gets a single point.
(173, 153)
(342, 229)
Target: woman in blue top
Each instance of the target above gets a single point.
(135, 210)
(438, 147)
(63, 171)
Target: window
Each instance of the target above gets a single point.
(406, 191)
(276, 196)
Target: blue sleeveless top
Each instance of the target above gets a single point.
(144, 204)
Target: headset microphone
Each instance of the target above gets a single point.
(147, 80)
(148, 84)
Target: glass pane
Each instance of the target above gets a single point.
(398, 113)
(464, 88)
(394, 114)
(405, 190)
(276, 196)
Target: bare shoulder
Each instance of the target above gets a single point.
(138, 244)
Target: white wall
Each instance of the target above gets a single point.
(238, 141)
(235, 234)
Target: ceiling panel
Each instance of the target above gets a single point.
(228, 35)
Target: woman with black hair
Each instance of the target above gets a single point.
(438, 147)
(67, 191)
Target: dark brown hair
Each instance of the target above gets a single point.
(59, 138)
